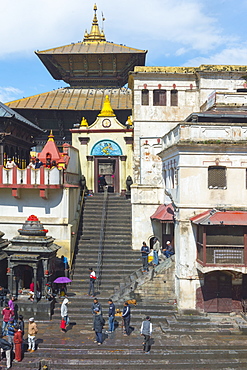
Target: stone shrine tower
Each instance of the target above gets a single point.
(31, 257)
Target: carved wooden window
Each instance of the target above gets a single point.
(174, 98)
(159, 97)
(217, 177)
(145, 97)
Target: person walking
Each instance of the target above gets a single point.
(145, 252)
(156, 248)
(146, 331)
(96, 304)
(98, 325)
(64, 310)
(32, 331)
(92, 279)
(65, 264)
(111, 314)
(7, 314)
(6, 347)
(126, 318)
(11, 331)
(18, 345)
(11, 303)
(20, 324)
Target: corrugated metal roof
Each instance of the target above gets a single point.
(6, 111)
(215, 217)
(76, 99)
(164, 213)
(92, 48)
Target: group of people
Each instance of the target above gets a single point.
(166, 252)
(99, 322)
(34, 163)
(11, 337)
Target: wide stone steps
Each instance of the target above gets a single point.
(118, 352)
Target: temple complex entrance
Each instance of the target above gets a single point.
(109, 168)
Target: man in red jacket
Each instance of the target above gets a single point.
(7, 314)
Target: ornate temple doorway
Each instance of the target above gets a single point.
(109, 168)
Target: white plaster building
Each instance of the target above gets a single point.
(209, 191)
(162, 97)
(53, 195)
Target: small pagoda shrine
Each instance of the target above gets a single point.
(50, 156)
(31, 258)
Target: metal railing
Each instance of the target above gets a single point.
(81, 206)
(221, 254)
(101, 240)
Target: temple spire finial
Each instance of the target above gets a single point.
(107, 110)
(95, 34)
(51, 136)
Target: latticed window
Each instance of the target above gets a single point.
(145, 97)
(159, 97)
(174, 98)
(217, 177)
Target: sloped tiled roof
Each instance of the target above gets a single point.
(216, 217)
(92, 48)
(76, 99)
(164, 213)
(7, 112)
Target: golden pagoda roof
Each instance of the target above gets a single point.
(93, 62)
(75, 99)
(91, 48)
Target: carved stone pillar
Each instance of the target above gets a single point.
(10, 277)
(90, 173)
(123, 172)
(35, 282)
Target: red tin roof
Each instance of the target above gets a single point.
(215, 217)
(164, 213)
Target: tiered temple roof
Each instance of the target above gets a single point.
(92, 62)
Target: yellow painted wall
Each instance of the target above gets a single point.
(94, 136)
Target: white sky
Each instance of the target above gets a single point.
(182, 32)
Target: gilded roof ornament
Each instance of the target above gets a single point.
(95, 35)
(84, 122)
(51, 136)
(129, 122)
(107, 110)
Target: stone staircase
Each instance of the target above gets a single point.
(161, 285)
(179, 341)
(119, 259)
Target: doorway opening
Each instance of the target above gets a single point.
(109, 169)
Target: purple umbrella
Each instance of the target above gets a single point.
(62, 280)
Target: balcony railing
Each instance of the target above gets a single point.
(221, 255)
(42, 178)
